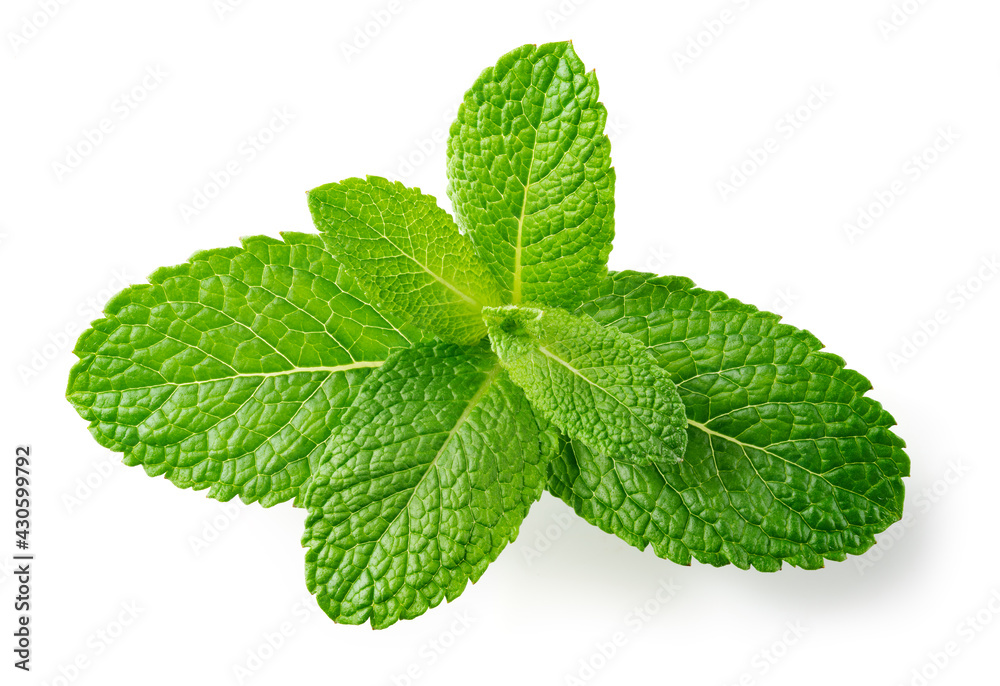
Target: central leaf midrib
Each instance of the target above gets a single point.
(603, 390)
(441, 279)
(254, 375)
(447, 284)
(432, 465)
(516, 286)
(751, 446)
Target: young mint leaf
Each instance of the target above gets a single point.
(597, 384)
(530, 175)
(407, 254)
(228, 371)
(428, 479)
(787, 460)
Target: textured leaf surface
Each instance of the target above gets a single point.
(787, 459)
(229, 371)
(428, 480)
(597, 384)
(407, 255)
(530, 174)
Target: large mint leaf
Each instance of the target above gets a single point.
(530, 174)
(597, 384)
(228, 372)
(787, 459)
(407, 254)
(428, 479)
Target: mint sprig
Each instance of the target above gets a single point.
(416, 381)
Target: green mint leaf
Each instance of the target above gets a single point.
(428, 479)
(787, 460)
(530, 176)
(598, 385)
(407, 254)
(227, 372)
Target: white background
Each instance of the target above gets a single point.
(778, 242)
